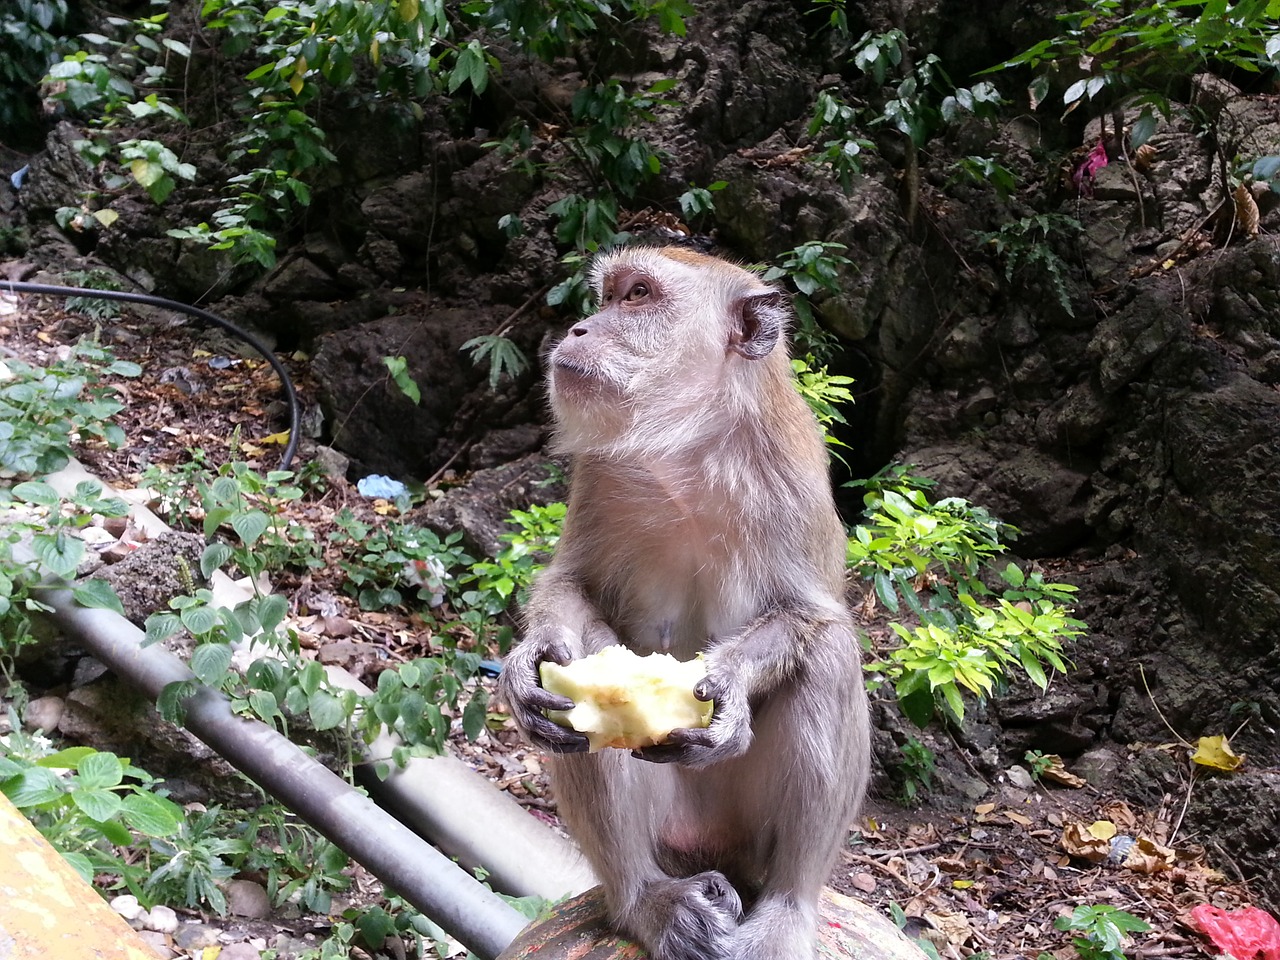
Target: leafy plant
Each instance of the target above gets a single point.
(86, 802)
(43, 410)
(379, 560)
(1131, 54)
(916, 769)
(824, 392)
(195, 861)
(985, 170)
(1103, 931)
(1026, 246)
(814, 267)
(505, 358)
(492, 585)
(154, 166)
(29, 42)
(1038, 763)
(398, 367)
(835, 123)
(931, 556)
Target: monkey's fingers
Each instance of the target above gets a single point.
(679, 746)
(707, 689)
(555, 738)
(544, 699)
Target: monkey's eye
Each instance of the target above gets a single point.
(637, 292)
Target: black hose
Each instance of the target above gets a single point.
(291, 395)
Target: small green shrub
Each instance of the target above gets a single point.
(931, 557)
(1103, 931)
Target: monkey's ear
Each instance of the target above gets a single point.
(760, 319)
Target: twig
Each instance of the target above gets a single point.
(1150, 696)
(1186, 802)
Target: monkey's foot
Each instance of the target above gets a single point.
(688, 918)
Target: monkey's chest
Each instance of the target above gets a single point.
(678, 594)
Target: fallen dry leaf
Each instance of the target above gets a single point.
(1079, 842)
(1057, 772)
(1216, 753)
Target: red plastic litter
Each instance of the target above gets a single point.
(1246, 934)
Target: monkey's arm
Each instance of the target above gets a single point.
(776, 649)
(560, 624)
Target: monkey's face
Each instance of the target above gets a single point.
(672, 337)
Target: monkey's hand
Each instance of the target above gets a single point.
(728, 736)
(522, 689)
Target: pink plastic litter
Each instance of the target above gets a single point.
(1246, 934)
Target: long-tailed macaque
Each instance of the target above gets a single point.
(700, 521)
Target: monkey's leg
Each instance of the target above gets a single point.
(616, 808)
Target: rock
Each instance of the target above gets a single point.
(247, 898)
(1020, 777)
(240, 951)
(127, 906)
(158, 943)
(479, 508)
(43, 713)
(196, 936)
(88, 669)
(149, 577)
(1098, 765)
(334, 463)
(161, 919)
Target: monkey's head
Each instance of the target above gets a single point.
(682, 346)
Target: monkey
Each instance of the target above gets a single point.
(700, 520)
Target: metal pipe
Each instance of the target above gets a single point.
(387, 848)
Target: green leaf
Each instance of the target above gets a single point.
(171, 703)
(98, 594)
(210, 662)
(97, 804)
(34, 786)
(214, 557)
(264, 705)
(1034, 670)
(200, 620)
(115, 832)
(917, 706)
(59, 551)
(152, 815)
(326, 710)
(271, 611)
(160, 626)
(249, 526)
(885, 591)
(100, 770)
(67, 759)
(474, 714)
(37, 492)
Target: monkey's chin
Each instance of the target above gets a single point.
(580, 386)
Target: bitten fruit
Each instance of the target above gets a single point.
(625, 700)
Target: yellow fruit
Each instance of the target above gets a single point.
(622, 699)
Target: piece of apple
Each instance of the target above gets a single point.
(622, 699)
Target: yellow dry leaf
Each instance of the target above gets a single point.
(1079, 842)
(1216, 753)
(382, 508)
(1102, 829)
(106, 217)
(210, 953)
(1168, 264)
(1018, 818)
(983, 809)
(1058, 773)
(1147, 856)
(280, 438)
(1246, 210)
(961, 884)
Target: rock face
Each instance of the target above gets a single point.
(1096, 364)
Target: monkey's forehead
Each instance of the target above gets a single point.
(663, 261)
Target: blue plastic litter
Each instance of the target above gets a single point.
(19, 176)
(376, 486)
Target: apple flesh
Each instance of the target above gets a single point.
(622, 699)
